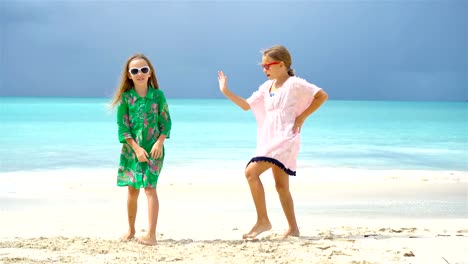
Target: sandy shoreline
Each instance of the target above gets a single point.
(345, 216)
(405, 245)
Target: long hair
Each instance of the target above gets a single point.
(127, 83)
(280, 53)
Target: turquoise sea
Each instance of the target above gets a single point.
(52, 133)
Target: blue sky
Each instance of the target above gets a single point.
(355, 50)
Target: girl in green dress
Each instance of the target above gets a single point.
(143, 124)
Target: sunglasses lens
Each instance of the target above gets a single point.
(268, 65)
(145, 70)
(134, 71)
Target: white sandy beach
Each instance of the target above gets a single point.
(345, 216)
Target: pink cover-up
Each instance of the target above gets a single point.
(275, 115)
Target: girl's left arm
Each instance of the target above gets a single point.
(164, 121)
(319, 98)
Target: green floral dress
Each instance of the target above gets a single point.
(144, 119)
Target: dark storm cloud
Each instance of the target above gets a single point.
(386, 50)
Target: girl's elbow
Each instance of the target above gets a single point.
(325, 96)
(322, 96)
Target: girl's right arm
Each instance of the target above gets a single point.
(140, 152)
(123, 121)
(241, 102)
(125, 136)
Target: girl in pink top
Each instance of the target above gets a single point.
(281, 105)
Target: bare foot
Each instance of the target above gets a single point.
(257, 230)
(129, 236)
(147, 240)
(291, 232)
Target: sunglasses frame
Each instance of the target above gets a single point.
(266, 66)
(139, 70)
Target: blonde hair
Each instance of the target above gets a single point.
(127, 83)
(280, 53)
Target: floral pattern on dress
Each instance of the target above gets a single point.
(144, 119)
(275, 116)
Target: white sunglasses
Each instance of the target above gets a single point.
(144, 70)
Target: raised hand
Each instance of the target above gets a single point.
(222, 79)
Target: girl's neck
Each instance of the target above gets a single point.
(281, 80)
(141, 90)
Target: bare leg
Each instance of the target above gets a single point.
(153, 210)
(252, 173)
(132, 206)
(282, 187)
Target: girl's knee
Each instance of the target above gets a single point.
(150, 191)
(250, 175)
(255, 169)
(281, 188)
(133, 192)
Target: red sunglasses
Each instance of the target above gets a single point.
(267, 65)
